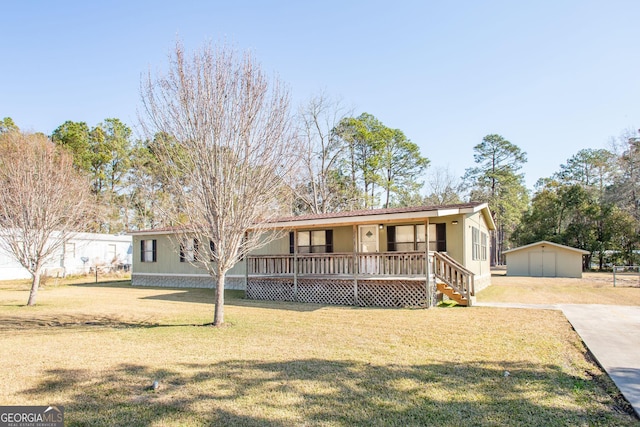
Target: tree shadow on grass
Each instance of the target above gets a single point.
(232, 298)
(124, 283)
(276, 305)
(327, 392)
(49, 323)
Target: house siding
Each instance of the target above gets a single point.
(168, 258)
(480, 267)
(343, 239)
(455, 239)
(279, 245)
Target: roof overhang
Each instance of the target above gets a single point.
(381, 216)
(372, 216)
(546, 243)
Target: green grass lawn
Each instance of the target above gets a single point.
(96, 349)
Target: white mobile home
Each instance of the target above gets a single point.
(80, 254)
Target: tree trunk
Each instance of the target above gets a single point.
(218, 316)
(35, 285)
(386, 203)
(494, 248)
(600, 260)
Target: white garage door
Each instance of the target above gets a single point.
(542, 264)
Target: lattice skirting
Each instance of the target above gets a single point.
(397, 293)
(270, 289)
(369, 293)
(326, 291)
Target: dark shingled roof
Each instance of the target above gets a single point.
(367, 212)
(345, 214)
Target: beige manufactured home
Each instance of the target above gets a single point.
(545, 259)
(381, 257)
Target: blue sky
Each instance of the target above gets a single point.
(552, 77)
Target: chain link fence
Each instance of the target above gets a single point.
(626, 275)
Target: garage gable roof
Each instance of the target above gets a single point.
(547, 243)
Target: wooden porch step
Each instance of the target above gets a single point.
(452, 293)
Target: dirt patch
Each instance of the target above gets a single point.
(592, 288)
(596, 280)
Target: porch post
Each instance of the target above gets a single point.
(355, 265)
(246, 271)
(295, 264)
(427, 269)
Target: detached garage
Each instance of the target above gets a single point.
(545, 259)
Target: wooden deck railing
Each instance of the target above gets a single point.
(392, 264)
(453, 274)
(405, 264)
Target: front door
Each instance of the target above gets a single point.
(368, 238)
(368, 248)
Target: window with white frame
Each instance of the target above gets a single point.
(483, 246)
(475, 243)
(479, 244)
(148, 250)
(189, 250)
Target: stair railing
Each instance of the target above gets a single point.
(453, 274)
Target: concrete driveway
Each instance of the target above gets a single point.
(612, 334)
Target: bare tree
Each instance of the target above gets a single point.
(319, 187)
(43, 201)
(444, 187)
(228, 154)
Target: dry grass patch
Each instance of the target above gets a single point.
(97, 349)
(593, 288)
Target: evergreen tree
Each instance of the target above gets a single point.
(496, 180)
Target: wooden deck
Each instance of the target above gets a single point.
(385, 279)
